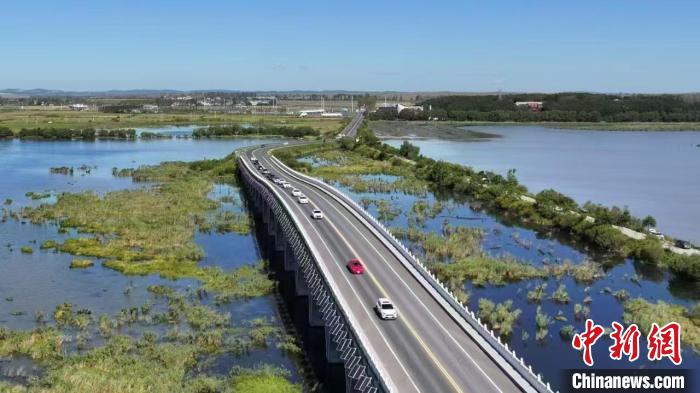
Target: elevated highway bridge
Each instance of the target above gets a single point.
(435, 345)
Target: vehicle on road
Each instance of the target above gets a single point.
(296, 192)
(286, 185)
(278, 180)
(303, 199)
(266, 171)
(317, 214)
(684, 244)
(386, 309)
(356, 267)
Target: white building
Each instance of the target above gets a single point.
(310, 112)
(78, 107)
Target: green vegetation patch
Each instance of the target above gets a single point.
(81, 263)
(151, 229)
(482, 270)
(262, 380)
(500, 317)
(39, 344)
(644, 313)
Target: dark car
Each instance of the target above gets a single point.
(684, 244)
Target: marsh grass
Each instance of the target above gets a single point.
(538, 293)
(81, 263)
(560, 295)
(644, 313)
(567, 332)
(483, 270)
(151, 229)
(40, 344)
(542, 322)
(500, 317)
(262, 379)
(347, 168)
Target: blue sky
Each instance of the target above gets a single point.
(593, 45)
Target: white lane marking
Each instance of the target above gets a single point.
(313, 190)
(370, 316)
(404, 320)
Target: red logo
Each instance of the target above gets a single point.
(662, 342)
(665, 342)
(584, 341)
(626, 342)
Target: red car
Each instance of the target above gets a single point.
(355, 266)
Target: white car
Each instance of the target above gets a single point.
(286, 185)
(278, 180)
(296, 192)
(386, 309)
(317, 214)
(303, 199)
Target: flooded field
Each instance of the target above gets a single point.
(39, 289)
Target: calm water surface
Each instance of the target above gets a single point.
(656, 173)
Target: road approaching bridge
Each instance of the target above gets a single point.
(350, 130)
(434, 345)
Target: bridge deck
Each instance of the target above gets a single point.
(425, 349)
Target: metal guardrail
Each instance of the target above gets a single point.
(363, 368)
(489, 341)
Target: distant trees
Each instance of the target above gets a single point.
(237, 130)
(69, 133)
(370, 102)
(649, 222)
(409, 150)
(6, 132)
(56, 133)
(561, 107)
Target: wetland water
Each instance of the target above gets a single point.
(42, 280)
(652, 173)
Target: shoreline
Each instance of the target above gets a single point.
(448, 129)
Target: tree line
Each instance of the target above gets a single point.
(75, 133)
(591, 223)
(561, 107)
(238, 130)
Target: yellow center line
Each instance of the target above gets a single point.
(403, 320)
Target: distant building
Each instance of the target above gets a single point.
(399, 107)
(535, 106)
(416, 108)
(331, 114)
(262, 100)
(78, 107)
(310, 112)
(150, 108)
